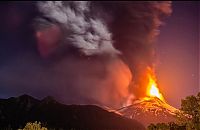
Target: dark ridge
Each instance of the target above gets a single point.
(17, 111)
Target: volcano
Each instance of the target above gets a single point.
(149, 110)
(152, 108)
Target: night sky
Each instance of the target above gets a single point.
(177, 51)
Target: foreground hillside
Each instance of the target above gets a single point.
(16, 111)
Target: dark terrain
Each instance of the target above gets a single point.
(17, 111)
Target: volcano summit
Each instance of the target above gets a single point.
(149, 110)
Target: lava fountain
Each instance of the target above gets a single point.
(152, 87)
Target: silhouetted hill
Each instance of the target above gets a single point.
(17, 111)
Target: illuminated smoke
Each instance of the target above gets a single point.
(121, 30)
(80, 28)
(135, 27)
(90, 52)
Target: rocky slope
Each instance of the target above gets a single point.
(149, 110)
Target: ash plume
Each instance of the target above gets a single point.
(135, 27)
(89, 52)
(80, 28)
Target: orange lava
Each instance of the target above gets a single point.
(152, 89)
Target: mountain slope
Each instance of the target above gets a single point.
(17, 111)
(149, 110)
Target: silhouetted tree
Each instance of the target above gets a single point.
(152, 127)
(33, 126)
(191, 106)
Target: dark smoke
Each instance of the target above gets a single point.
(135, 27)
(88, 52)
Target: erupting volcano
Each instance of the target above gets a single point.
(152, 108)
(94, 56)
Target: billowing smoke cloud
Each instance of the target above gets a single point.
(79, 27)
(90, 52)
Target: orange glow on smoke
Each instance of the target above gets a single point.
(152, 89)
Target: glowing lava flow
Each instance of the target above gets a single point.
(152, 89)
